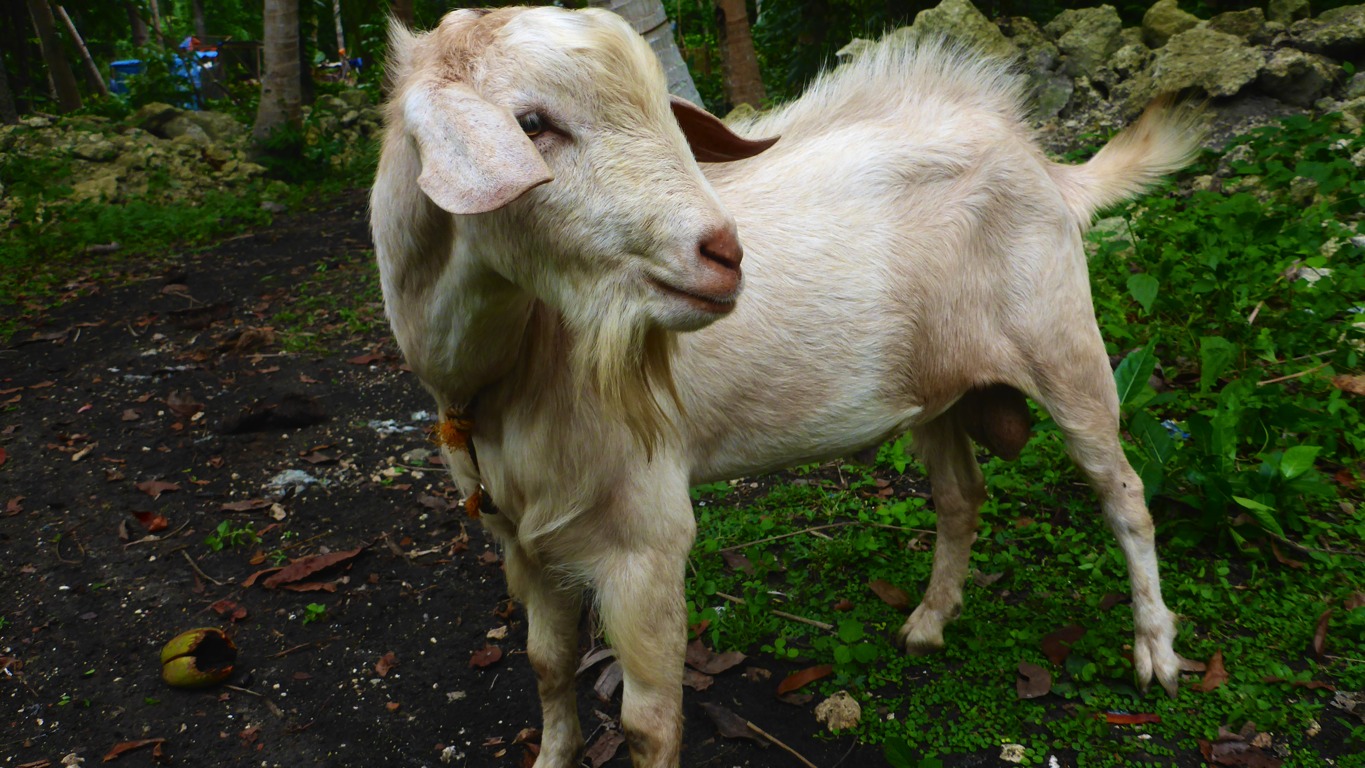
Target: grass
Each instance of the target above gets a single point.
(1251, 452)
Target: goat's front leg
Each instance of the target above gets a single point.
(552, 614)
(958, 492)
(643, 610)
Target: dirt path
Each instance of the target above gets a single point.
(142, 426)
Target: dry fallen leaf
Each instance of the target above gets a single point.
(730, 725)
(1284, 559)
(183, 404)
(1353, 384)
(4, 456)
(230, 609)
(245, 506)
(1215, 675)
(890, 594)
(155, 488)
(1057, 645)
(14, 506)
(797, 680)
(1320, 633)
(604, 748)
(608, 681)
(695, 680)
(1032, 681)
(1126, 718)
(485, 657)
(307, 566)
(118, 750)
(703, 659)
(386, 662)
(1353, 601)
(152, 521)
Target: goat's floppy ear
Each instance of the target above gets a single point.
(710, 140)
(475, 158)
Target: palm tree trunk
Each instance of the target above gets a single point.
(402, 10)
(649, 19)
(197, 14)
(138, 25)
(281, 100)
(743, 82)
(63, 80)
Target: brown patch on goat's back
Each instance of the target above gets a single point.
(997, 418)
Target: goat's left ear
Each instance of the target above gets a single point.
(710, 140)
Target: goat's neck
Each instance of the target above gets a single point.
(461, 331)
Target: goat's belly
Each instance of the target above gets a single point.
(771, 441)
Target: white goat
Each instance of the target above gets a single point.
(912, 262)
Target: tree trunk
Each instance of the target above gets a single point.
(156, 20)
(743, 82)
(138, 25)
(197, 13)
(63, 80)
(8, 114)
(341, 32)
(649, 19)
(92, 72)
(402, 10)
(281, 100)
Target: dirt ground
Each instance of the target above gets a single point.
(140, 415)
(161, 456)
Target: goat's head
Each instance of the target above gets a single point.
(552, 134)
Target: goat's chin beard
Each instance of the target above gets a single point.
(624, 356)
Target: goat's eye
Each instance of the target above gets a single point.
(532, 124)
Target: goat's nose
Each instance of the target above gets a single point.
(722, 247)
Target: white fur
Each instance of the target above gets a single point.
(906, 241)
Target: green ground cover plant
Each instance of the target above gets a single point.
(1234, 312)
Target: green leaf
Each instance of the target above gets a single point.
(1215, 355)
(1133, 373)
(1298, 460)
(1263, 514)
(898, 753)
(1143, 288)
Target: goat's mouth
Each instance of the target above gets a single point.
(716, 305)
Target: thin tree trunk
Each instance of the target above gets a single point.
(197, 14)
(8, 114)
(651, 20)
(402, 10)
(341, 32)
(63, 80)
(156, 20)
(138, 25)
(281, 100)
(743, 82)
(92, 72)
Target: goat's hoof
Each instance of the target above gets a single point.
(1153, 656)
(920, 637)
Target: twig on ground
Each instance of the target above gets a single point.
(304, 647)
(817, 528)
(779, 743)
(199, 570)
(781, 614)
(272, 706)
(153, 538)
(1304, 372)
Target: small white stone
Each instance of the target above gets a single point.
(1012, 753)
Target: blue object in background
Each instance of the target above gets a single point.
(188, 68)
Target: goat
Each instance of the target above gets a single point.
(565, 279)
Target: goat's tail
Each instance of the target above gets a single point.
(1162, 141)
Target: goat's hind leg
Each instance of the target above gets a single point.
(1077, 389)
(958, 491)
(552, 614)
